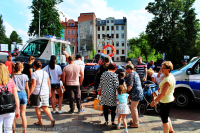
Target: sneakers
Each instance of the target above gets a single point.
(81, 111)
(61, 111)
(54, 111)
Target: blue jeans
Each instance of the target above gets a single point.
(22, 97)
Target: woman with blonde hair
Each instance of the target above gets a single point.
(153, 75)
(6, 119)
(21, 81)
(166, 97)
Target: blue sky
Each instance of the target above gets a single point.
(17, 16)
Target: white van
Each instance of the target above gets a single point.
(187, 83)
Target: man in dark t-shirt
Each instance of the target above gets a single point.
(141, 69)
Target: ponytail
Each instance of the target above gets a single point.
(15, 68)
(52, 62)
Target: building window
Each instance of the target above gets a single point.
(103, 35)
(72, 24)
(72, 32)
(107, 51)
(117, 44)
(122, 43)
(69, 39)
(98, 51)
(98, 28)
(112, 35)
(107, 27)
(68, 32)
(112, 21)
(98, 36)
(122, 27)
(117, 58)
(107, 21)
(112, 27)
(98, 22)
(108, 35)
(122, 35)
(122, 51)
(117, 27)
(112, 51)
(117, 51)
(113, 44)
(117, 35)
(69, 24)
(73, 40)
(102, 28)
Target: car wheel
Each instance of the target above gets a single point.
(182, 99)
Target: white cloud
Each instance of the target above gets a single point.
(9, 29)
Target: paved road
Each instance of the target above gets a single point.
(91, 121)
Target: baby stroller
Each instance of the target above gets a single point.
(144, 105)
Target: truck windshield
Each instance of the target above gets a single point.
(189, 65)
(35, 48)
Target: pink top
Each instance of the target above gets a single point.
(11, 85)
(72, 72)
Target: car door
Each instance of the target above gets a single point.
(194, 79)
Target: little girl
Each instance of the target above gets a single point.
(122, 107)
(21, 81)
(122, 81)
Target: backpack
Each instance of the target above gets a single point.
(7, 101)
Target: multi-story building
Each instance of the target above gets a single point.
(112, 31)
(71, 32)
(87, 31)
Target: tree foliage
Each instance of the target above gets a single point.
(14, 37)
(140, 47)
(173, 29)
(3, 37)
(49, 18)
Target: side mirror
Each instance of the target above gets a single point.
(189, 71)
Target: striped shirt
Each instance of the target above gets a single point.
(140, 69)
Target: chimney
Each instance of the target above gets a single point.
(65, 19)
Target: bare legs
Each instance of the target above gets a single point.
(123, 116)
(46, 111)
(167, 127)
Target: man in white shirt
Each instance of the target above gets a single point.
(79, 62)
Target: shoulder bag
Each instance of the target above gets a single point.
(35, 99)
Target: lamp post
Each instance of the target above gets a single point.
(39, 18)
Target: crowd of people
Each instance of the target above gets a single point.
(26, 79)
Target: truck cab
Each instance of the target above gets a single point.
(187, 83)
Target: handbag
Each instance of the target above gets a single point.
(7, 101)
(97, 105)
(35, 99)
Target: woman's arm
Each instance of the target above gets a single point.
(27, 90)
(31, 71)
(32, 86)
(153, 79)
(48, 81)
(164, 91)
(16, 102)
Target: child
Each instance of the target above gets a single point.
(122, 107)
(122, 81)
(21, 81)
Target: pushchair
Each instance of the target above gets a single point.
(148, 88)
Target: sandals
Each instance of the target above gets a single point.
(53, 123)
(38, 123)
(118, 126)
(125, 131)
(171, 131)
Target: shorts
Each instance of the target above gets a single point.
(165, 110)
(44, 101)
(22, 97)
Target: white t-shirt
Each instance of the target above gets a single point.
(54, 77)
(38, 76)
(154, 75)
(80, 63)
(160, 78)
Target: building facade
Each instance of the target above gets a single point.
(71, 32)
(87, 31)
(112, 31)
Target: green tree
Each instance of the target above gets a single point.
(14, 37)
(173, 29)
(140, 47)
(49, 18)
(2, 31)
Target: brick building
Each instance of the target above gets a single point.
(71, 32)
